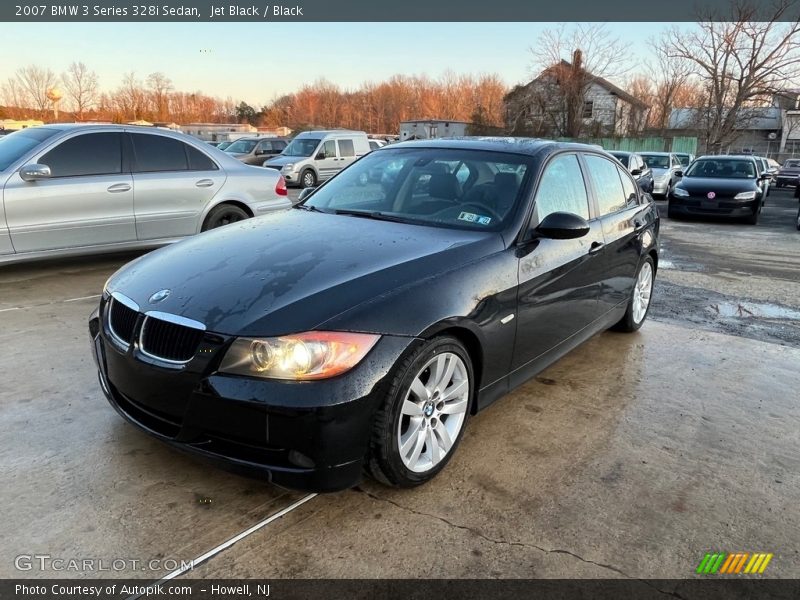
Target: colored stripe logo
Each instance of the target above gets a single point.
(714, 563)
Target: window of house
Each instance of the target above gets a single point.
(588, 109)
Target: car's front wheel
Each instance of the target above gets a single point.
(639, 302)
(308, 179)
(418, 427)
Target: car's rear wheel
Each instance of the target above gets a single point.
(308, 178)
(418, 427)
(639, 302)
(224, 214)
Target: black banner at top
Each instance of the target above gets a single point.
(389, 11)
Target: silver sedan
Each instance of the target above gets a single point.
(81, 189)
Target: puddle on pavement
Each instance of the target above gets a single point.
(753, 310)
(665, 264)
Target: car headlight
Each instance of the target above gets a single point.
(745, 196)
(288, 167)
(298, 357)
(680, 192)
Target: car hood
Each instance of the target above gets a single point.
(294, 270)
(703, 185)
(279, 161)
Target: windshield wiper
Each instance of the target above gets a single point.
(310, 208)
(370, 214)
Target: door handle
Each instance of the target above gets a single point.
(119, 187)
(205, 183)
(596, 247)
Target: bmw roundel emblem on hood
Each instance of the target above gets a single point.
(710, 195)
(159, 296)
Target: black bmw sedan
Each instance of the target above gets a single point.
(359, 330)
(730, 186)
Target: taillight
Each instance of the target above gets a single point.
(280, 187)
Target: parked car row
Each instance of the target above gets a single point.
(79, 189)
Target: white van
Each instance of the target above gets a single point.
(314, 156)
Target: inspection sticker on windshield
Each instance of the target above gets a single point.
(473, 218)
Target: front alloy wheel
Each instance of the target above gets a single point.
(417, 430)
(433, 412)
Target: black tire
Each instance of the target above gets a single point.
(224, 214)
(308, 179)
(627, 323)
(753, 219)
(671, 212)
(798, 220)
(384, 462)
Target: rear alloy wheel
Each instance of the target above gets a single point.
(308, 179)
(639, 303)
(419, 426)
(224, 214)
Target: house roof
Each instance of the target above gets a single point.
(754, 118)
(604, 83)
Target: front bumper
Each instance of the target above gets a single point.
(302, 435)
(660, 188)
(726, 207)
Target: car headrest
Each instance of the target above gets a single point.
(506, 181)
(443, 186)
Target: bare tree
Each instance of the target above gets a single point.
(566, 60)
(670, 74)
(82, 87)
(160, 87)
(739, 64)
(35, 82)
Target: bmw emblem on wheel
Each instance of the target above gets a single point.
(159, 296)
(711, 195)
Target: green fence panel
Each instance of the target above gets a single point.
(641, 144)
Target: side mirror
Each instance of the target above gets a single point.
(563, 226)
(678, 173)
(34, 172)
(636, 172)
(305, 193)
(320, 156)
(260, 152)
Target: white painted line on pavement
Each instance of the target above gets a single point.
(225, 545)
(94, 297)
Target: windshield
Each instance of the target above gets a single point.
(656, 161)
(465, 189)
(241, 147)
(301, 147)
(14, 145)
(223, 145)
(684, 158)
(623, 158)
(722, 169)
(791, 164)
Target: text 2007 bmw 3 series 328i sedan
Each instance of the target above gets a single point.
(360, 330)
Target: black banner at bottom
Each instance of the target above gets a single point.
(400, 589)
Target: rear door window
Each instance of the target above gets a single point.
(86, 154)
(157, 153)
(346, 148)
(199, 161)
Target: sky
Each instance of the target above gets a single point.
(257, 62)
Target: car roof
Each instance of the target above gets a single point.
(514, 145)
(656, 153)
(727, 156)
